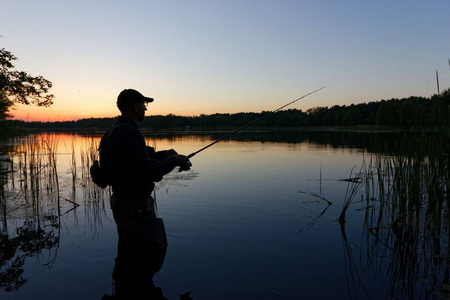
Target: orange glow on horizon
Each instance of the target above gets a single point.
(47, 114)
(75, 109)
(40, 114)
(51, 114)
(54, 114)
(51, 118)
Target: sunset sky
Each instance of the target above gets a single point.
(201, 57)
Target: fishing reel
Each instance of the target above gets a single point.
(186, 167)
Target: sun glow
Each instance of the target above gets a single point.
(54, 114)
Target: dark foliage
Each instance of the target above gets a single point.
(406, 112)
(30, 240)
(20, 87)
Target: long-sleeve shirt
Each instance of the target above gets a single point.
(131, 168)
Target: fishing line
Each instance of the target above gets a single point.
(253, 122)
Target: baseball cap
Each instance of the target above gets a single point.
(129, 96)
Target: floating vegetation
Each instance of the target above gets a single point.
(315, 195)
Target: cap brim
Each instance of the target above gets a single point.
(148, 99)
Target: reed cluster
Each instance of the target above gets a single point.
(34, 170)
(35, 193)
(407, 220)
(29, 192)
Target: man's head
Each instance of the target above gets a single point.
(133, 104)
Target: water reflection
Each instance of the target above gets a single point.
(30, 239)
(406, 221)
(139, 257)
(415, 266)
(35, 197)
(395, 238)
(141, 252)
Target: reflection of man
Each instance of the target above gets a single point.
(132, 169)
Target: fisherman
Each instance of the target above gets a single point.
(132, 168)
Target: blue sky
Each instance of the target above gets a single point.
(199, 57)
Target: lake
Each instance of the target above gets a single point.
(256, 217)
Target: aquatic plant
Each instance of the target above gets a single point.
(33, 193)
(354, 184)
(407, 217)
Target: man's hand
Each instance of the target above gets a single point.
(162, 154)
(184, 163)
(166, 153)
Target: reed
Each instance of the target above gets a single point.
(320, 195)
(34, 172)
(72, 161)
(33, 198)
(88, 154)
(354, 184)
(407, 214)
(51, 143)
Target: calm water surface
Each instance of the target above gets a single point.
(244, 223)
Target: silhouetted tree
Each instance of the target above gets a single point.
(406, 112)
(386, 114)
(352, 117)
(20, 87)
(316, 115)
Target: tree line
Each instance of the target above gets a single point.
(406, 112)
(20, 87)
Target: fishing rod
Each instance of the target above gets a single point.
(251, 123)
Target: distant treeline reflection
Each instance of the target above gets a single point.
(386, 142)
(405, 112)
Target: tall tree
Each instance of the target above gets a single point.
(20, 87)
